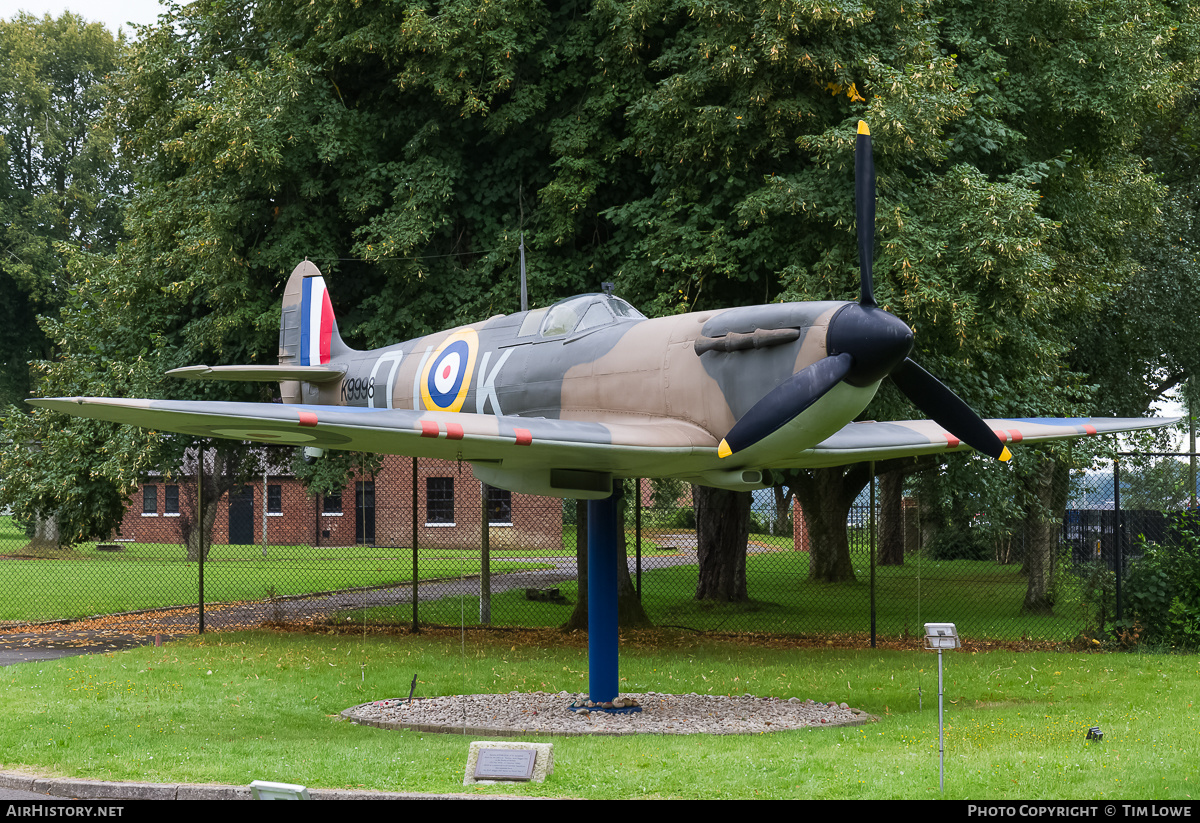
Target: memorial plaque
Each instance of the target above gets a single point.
(505, 764)
(501, 761)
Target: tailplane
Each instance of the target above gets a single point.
(308, 341)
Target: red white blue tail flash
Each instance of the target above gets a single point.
(316, 323)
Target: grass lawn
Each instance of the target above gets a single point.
(238, 707)
(981, 597)
(11, 536)
(85, 581)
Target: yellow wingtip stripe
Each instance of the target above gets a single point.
(723, 450)
(862, 127)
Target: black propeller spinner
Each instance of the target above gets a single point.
(864, 344)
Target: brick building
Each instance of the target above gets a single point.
(372, 510)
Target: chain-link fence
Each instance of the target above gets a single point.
(489, 556)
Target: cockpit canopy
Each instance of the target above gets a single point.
(581, 313)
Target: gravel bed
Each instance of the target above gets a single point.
(519, 713)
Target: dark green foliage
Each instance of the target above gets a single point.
(682, 517)
(61, 180)
(1162, 593)
(960, 544)
(697, 154)
(1097, 588)
(331, 473)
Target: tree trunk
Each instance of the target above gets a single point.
(1041, 535)
(45, 534)
(891, 519)
(220, 475)
(722, 529)
(195, 535)
(579, 617)
(629, 608)
(630, 613)
(825, 497)
(783, 509)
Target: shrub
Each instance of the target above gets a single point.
(960, 544)
(1097, 588)
(1162, 592)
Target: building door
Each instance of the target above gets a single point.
(241, 516)
(364, 512)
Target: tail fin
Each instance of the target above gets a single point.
(308, 333)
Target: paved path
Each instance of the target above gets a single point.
(25, 790)
(307, 607)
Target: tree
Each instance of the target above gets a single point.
(61, 180)
(1005, 182)
(698, 155)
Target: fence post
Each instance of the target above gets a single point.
(1118, 530)
(264, 514)
(1192, 456)
(872, 549)
(637, 535)
(200, 525)
(415, 585)
(485, 568)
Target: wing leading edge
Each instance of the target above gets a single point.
(872, 440)
(634, 447)
(629, 448)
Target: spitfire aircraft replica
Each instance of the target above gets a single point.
(563, 400)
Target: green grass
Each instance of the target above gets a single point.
(984, 599)
(234, 708)
(144, 576)
(12, 537)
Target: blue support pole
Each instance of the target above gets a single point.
(602, 598)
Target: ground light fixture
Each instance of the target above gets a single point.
(941, 636)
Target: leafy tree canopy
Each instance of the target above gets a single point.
(61, 182)
(698, 153)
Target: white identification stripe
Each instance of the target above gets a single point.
(316, 300)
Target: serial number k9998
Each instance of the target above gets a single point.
(358, 388)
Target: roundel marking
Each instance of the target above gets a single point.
(259, 434)
(447, 375)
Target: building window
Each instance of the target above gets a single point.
(331, 504)
(275, 499)
(499, 506)
(149, 500)
(439, 501)
(171, 500)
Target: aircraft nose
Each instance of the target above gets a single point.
(878, 342)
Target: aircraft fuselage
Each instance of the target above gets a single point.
(590, 358)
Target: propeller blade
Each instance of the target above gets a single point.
(945, 408)
(864, 212)
(785, 401)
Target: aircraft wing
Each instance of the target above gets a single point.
(871, 440)
(634, 448)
